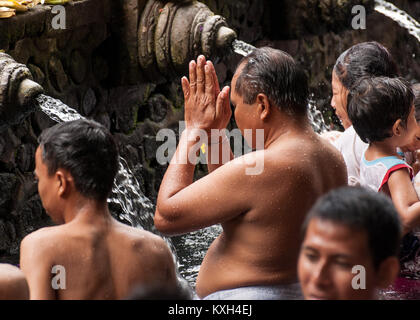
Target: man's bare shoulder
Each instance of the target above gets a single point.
(13, 284)
(141, 239)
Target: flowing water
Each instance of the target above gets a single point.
(242, 48)
(399, 16)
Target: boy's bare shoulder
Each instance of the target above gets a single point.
(43, 236)
(141, 239)
(13, 284)
(10, 272)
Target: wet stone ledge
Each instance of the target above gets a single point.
(37, 21)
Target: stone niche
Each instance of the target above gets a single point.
(93, 67)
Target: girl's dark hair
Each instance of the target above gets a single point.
(87, 150)
(374, 104)
(364, 59)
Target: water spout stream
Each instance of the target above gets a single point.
(399, 16)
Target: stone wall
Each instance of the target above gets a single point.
(89, 66)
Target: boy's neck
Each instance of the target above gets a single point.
(86, 210)
(380, 149)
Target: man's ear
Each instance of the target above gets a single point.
(388, 272)
(64, 182)
(397, 128)
(263, 106)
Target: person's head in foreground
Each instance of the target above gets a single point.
(13, 284)
(361, 60)
(382, 111)
(268, 84)
(350, 229)
(76, 162)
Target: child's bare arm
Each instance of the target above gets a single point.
(405, 199)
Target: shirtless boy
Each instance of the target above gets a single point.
(255, 257)
(93, 255)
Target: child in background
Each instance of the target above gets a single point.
(382, 112)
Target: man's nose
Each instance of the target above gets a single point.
(321, 274)
(332, 103)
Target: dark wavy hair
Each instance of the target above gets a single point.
(362, 60)
(87, 150)
(374, 104)
(276, 74)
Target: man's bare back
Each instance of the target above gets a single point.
(102, 259)
(262, 213)
(261, 246)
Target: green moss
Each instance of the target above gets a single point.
(149, 89)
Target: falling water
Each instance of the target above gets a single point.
(242, 48)
(399, 16)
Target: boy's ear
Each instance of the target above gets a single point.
(397, 128)
(263, 106)
(64, 181)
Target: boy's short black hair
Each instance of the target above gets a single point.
(416, 91)
(276, 74)
(362, 210)
(362, 60)
(374, 104)
(87, 150)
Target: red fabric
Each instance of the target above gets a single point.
(395, 168)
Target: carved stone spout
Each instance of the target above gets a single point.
(17, 91)
(172, 33)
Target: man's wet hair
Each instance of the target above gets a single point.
(362, 210)
(374, 104)
(416, 91)
(87, 150)
(363, 60)
(276, 74)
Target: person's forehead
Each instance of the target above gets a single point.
(234, 79)
(335, 238)
(38, 157)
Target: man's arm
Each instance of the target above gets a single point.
(405, 199)
(182, 205)
(34, 263)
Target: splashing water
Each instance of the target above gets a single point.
(242, 48)
(399, 16)
(315, 118)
